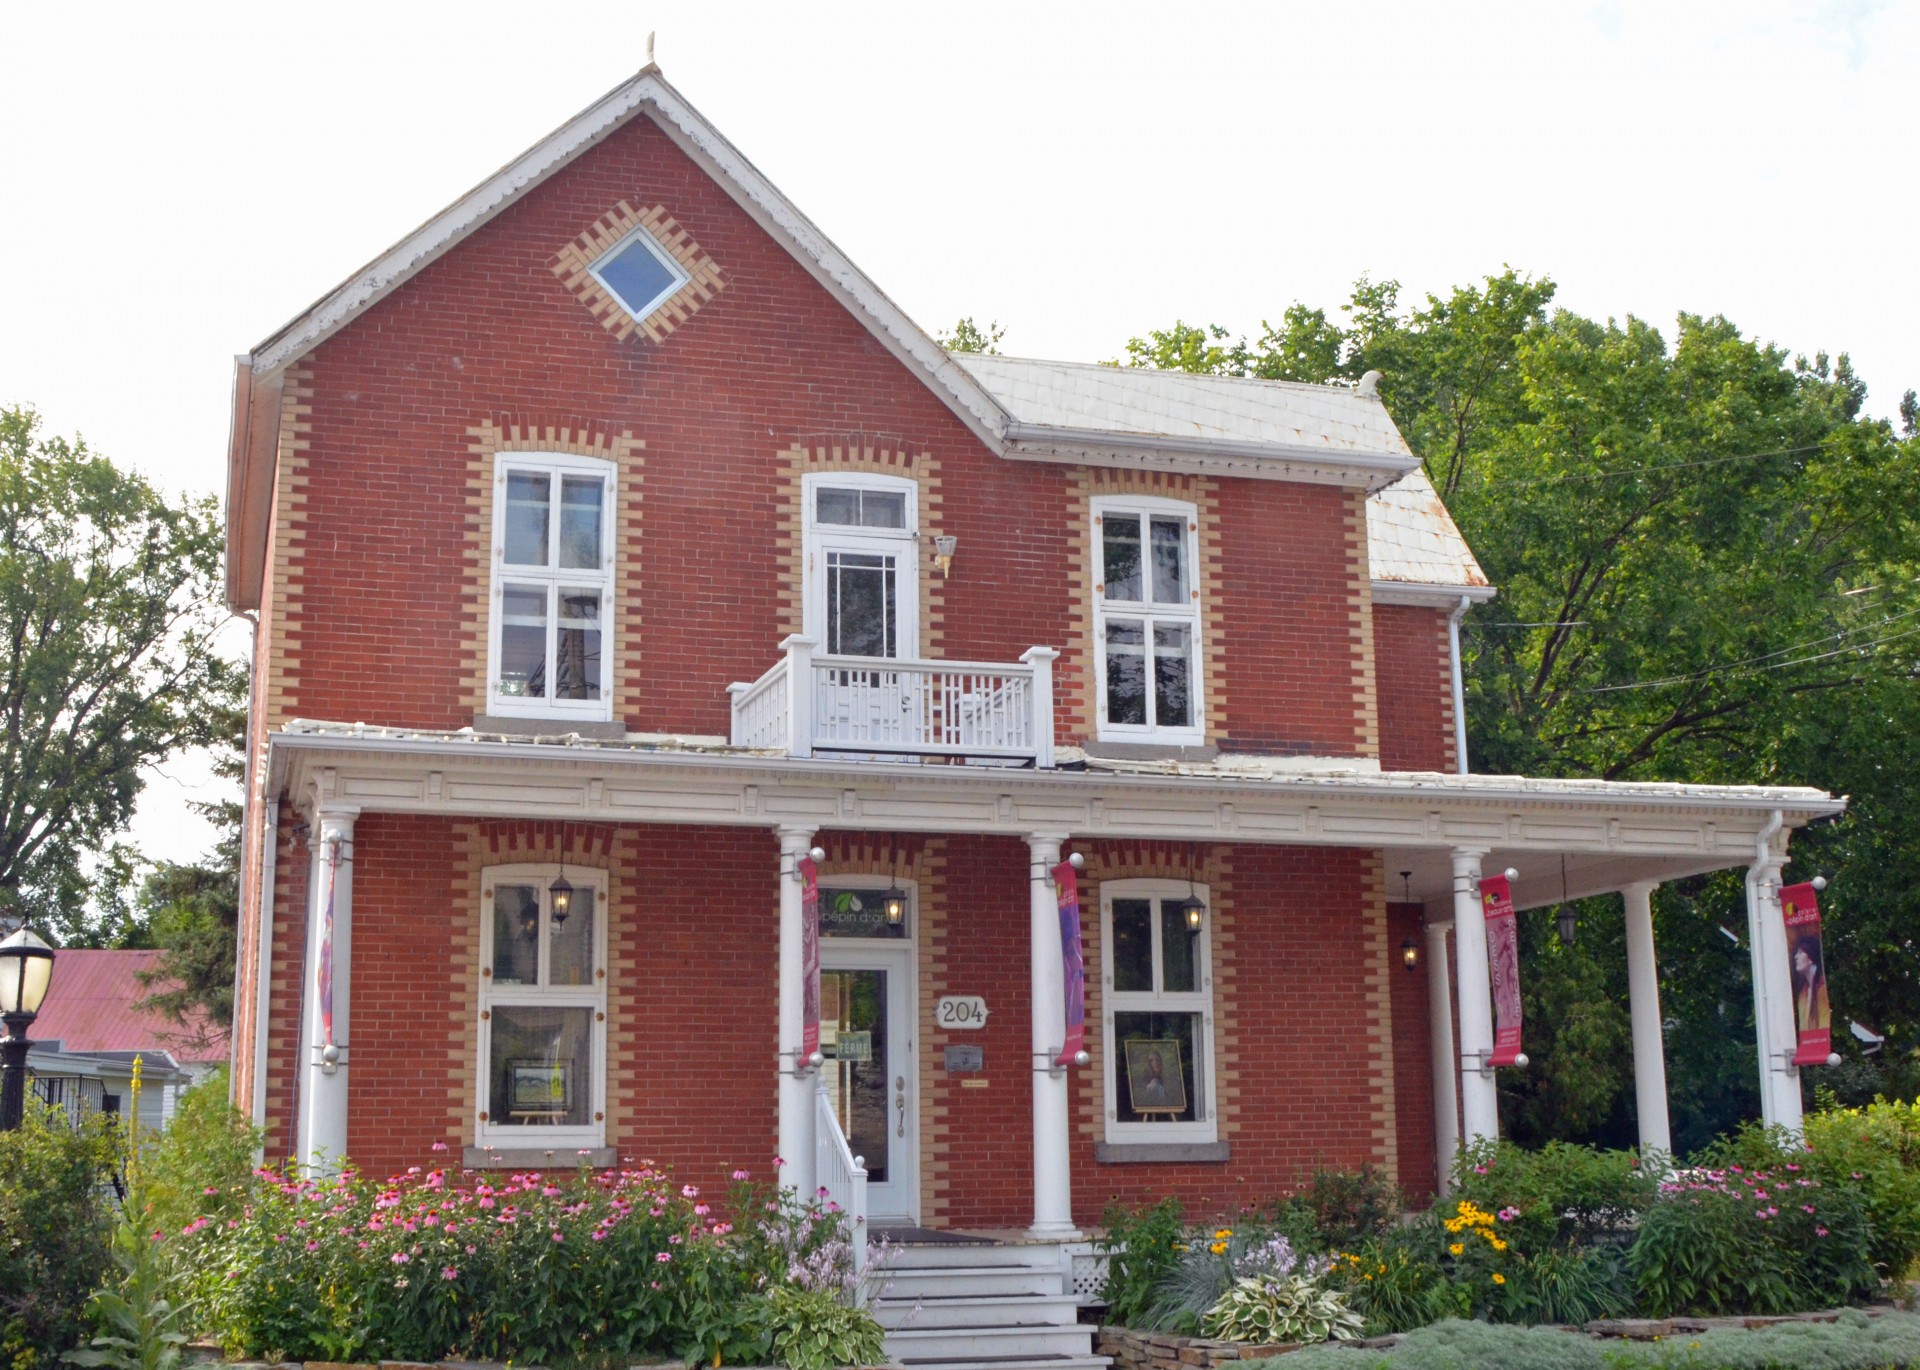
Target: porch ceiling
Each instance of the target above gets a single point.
(1611, 834)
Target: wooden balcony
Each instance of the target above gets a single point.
(890, 708)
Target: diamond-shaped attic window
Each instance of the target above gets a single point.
(639, 274)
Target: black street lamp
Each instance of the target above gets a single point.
(26, 967)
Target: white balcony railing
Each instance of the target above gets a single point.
(841, 1174)
(891, 706)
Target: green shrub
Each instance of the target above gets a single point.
(814, 1330)
(526, 1267)
(1339, 1209)
(202, 1164)
(1210, 1265)
(1143, 1247)
(1291, 1308)
(1878, 1149)
(1856, 1342)
(54, 1225)
(1742, 1240)
(1395, 1287)
(1561, 1194)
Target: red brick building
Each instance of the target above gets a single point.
(616, 543)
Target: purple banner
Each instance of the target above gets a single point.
(1073, 965)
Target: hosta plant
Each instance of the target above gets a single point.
(1266, 1312)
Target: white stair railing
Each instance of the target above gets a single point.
(841, 1174)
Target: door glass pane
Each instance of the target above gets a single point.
(883, 509)
(576, 668)
(580, 498)
(858, 913)
(1120, 547)
(1132, 944)
(858, 1074)
(570, 954)
(837, 506)
(1172, 700)
(523, 641)
(1126, 671)
(527, 495)
(516, 935)
(540, 1067)
(1153, 1066)
(1178, 974)
(1170, 561)
(860, 605)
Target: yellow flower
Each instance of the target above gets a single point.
(1456, 1249)
(1383, 1268)
(1223, 1232)
(1499, 1245)
(1498, 1278)
(1218, 1248)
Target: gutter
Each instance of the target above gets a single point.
(1459, 685)
(1375, 465)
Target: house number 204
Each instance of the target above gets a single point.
(961, 1011)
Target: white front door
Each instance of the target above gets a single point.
(862, 599)
(867, 1036)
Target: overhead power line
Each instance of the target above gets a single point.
(1652, 470)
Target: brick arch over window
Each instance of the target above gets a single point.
(576, 437)
(855, 454)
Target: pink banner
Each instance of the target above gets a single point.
(1503, 967)
(809, 960)
(1812, 1015)
(1073, 965)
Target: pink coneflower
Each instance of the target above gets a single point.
(663, 1257)
(701, 1210)
(313, 1246)
(741, 1175)
(692, 1191)
(441, 1146)
(1819, 1231)
(558, 1236)
(399, 1258)
(447, 1272)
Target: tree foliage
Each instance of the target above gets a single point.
(968, 336)
(1709, 570)
(109, 605)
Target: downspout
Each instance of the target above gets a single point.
(246, 830)
(263, 954)
(1459, 686)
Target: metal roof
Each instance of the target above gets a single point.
(1413, 540)
(91, 1006)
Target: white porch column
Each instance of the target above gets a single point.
(1052, 1161)
(1773, 1026)
(798, 1078)
(322, 1140)
(1649, 1048)
(1480, 1108)
(1446, 1064)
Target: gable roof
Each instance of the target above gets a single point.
(1415, 548)
(1097, 415)
(92, 1005)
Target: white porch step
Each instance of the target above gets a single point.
(1026, 1341)
(1014, 1363)
(931, 1255)
(975, 1310)
(911, 1282)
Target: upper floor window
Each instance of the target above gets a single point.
(638, 273)
(1157, 1013)
(550, 653)
(543, 1007)
(1147, 619)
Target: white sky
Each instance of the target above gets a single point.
(182, 179)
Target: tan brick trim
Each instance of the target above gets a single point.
(283, 616)
(1212, 870)
(1366, 694)
(1376, 974)
(1443, 650)
(571, 265)
(867, 458)
(509, 842)
(1074, 685)
(486, 440)
(923, 861)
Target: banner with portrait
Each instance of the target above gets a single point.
(1073, 966)
(1503, 968)
(1806, 959)
(809, 960)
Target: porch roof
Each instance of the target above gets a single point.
(1607, 833)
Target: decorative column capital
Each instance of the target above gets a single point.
(1044, 848)
(796, 839)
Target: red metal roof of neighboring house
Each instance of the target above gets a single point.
(91, 1006)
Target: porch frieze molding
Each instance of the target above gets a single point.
(459, 777)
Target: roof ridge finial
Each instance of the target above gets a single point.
(650, 61)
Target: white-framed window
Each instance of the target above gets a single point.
(550, 641)
(543, 1008)
(862, 593)
(1146, 619)
(639, 273)
(1156, 1009)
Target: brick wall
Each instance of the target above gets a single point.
(1413, 664)
(1412, 1054)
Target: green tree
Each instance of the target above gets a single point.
(110, 603)
(968, 336)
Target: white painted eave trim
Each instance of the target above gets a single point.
(1371, 471)
(1431, 596)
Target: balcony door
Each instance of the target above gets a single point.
(862, 599)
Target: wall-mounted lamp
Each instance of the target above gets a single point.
(894, 902)
(560, 890)
(1410, 955)
(943, 549)
(1192, 909)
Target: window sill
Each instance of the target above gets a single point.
(532, 1158)
(1141, 1153)
(1144, 750)
(551, 725)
